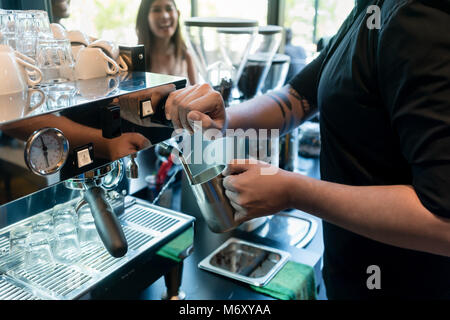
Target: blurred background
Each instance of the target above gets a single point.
(310, 20)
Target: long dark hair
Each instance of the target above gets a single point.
(146, 36)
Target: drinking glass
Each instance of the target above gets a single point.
(60, 95)
(8, 27)
(41, 24)
(26, 34)
(87, 232)
(66, 248)
(18, 237)
(54, 58)
(43, 223)
(38, 251)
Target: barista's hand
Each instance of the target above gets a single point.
(127, 143)
(256, 189)
(198, 103)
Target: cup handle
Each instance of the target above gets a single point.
(35, 69)
(108, 69)
(30, 93)
(122, 64)
(25, 58)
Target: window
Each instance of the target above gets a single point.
(113, 20)
(246, 9)
(299, 16)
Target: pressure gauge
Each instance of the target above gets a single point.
(46, 151)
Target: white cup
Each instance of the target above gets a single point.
(76, 49)
(58, 31)
(17, 105)
(109, 47)
(94, 63)
(15, 73)
(112, 50)
(78, 37)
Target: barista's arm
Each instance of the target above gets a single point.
(414, 216)
(80, 135)
(390, 214)
(283, 109)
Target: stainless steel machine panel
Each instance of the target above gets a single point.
(98, 120)
(145, 226)
(72, 148)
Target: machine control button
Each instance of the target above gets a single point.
(84, 156)
(146, 109)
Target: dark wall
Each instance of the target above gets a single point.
(11, 4)
(26, 4)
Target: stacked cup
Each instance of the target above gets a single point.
(22, 29)
(8, 27)
(16, 75)
(54, 58)
(54, 238)
(38, 243)
(29, 33)
(94, 58)
(87, 232)
(66, 248)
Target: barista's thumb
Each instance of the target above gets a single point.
(198, 120)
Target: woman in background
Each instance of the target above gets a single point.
(158, 29)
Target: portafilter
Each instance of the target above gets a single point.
(108, 226)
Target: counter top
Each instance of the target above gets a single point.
(203, 285)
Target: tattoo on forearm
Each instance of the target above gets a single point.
(285, 99)
(281, 108)
(287, 106)
(279, 105)
(303, 101)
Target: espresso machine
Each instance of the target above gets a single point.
(79, 151)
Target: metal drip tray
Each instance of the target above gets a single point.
(9, 290)
(58, 281)
(245, 261)
(64, 282)
(139, 216)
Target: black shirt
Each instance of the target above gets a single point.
(384, 101)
